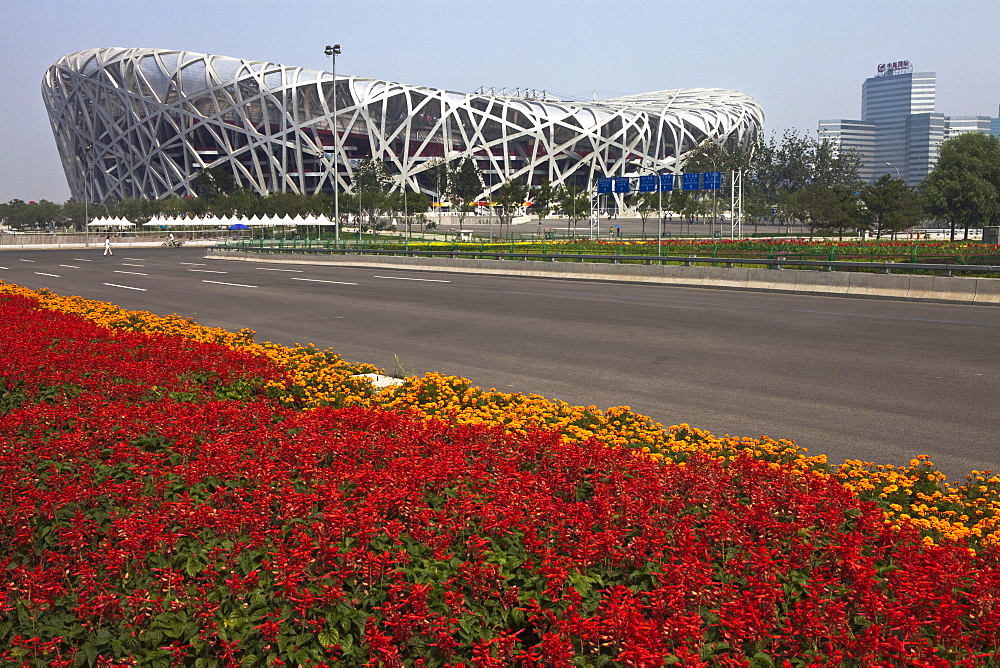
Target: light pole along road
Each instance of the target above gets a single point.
(876, 380)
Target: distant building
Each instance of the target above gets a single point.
(995, 124)
(143, 122)
(857, 136)
(899, 132)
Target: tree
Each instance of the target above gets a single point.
(542, 198)
(466, 186)
(964, 188)
(575, 203)
(645, 204)
(372, 176)
(74, 213)
(890, 206)
(773, 171)
(136, 210)
(408, 204)
(33, 215)
(829, 208)
(509, 199)
(213, 181)
(371, 185)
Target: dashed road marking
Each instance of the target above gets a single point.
(126, 264)
(69, 266)
(208, 271)
(42, 273)
(237, 285)
(406, 278)
(126, 287)
(297, 271)
(23, 260)
(194, 264)
(80, 259)
(134, 273)
(319, 280)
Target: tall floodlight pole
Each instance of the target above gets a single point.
(333, 52)
(86, 198)
(659, 213)
(896, 168)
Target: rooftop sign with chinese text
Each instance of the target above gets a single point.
(895, 67)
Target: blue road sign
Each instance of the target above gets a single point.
(647, 184)
(666, 183)
(691, 181)
(622, 184)
(603, 186)
(712, 181)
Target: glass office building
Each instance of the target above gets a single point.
(899, 132)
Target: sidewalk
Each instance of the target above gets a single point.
(98, 244)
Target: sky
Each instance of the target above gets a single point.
(803, 61)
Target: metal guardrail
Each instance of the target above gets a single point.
(686, 260)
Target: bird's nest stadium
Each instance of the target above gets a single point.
(131, 122)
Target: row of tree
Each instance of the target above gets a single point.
(796, 179)
(800, 179)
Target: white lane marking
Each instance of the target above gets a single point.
(194, 264)
(135, 259)
(126, 264)
(404, 278)
(134, 273)
(69, 266)
(208, 271)
(23, 260)
(319, 280)
(126, 287)
(42, 273)
(297, 271)
(80, 259)
(4, 268)
(238, 285)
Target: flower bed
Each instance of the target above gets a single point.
(914, 493)
(167, 499)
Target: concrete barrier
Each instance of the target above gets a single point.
(849, 284)
(987, 291)
(877, 285)
(824, 282)
(943, 288)
(775, 280)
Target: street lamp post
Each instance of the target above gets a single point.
(896, 168)
(333, 51)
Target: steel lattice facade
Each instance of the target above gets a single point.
(141, 122)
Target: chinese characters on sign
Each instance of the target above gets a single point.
(691, 181)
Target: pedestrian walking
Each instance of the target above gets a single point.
(107, 246)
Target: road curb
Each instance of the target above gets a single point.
(900, 287)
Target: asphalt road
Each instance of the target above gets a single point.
(874, 380)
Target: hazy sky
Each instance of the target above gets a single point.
(803, 61)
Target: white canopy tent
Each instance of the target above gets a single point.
(227, 221)
(119, 223)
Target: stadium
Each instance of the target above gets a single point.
(133, 122)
